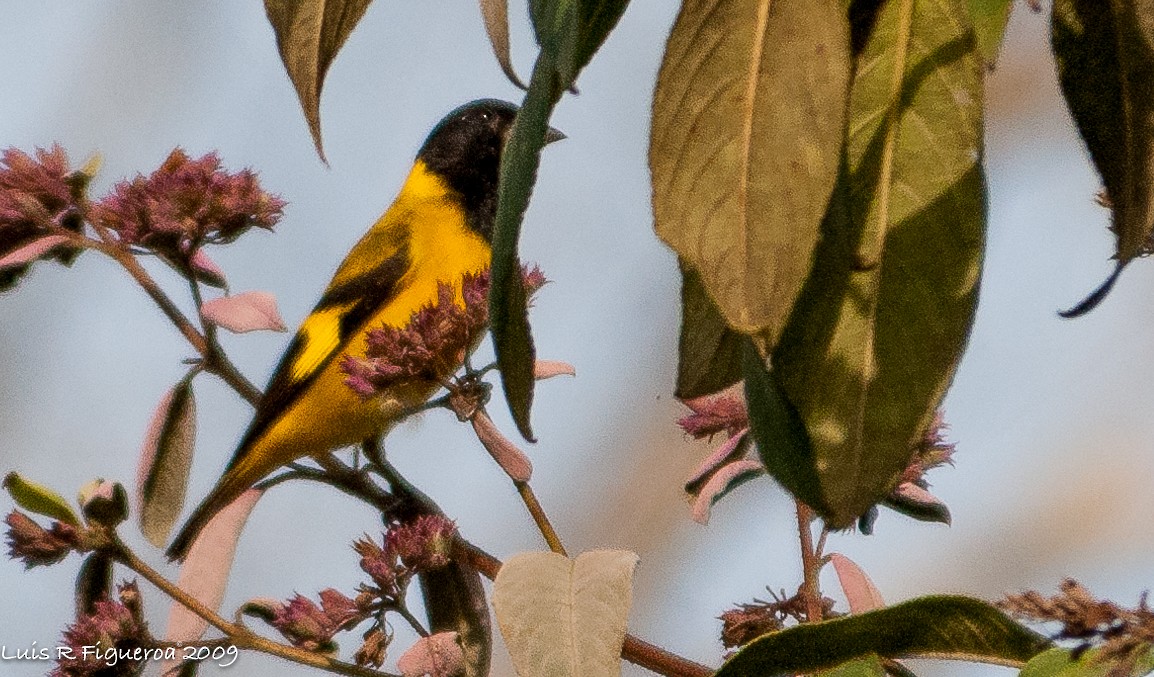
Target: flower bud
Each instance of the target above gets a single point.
(104, 503)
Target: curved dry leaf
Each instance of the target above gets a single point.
(860, 591)
(165, 459)
(748, 122)
(728, 478)
(496, 16)
(437, 655)
(31, 251)
(204, 573)
(309, 33)
(250, 311)
(562, 617)
(511, 459)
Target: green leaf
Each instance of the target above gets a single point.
(881, 323)
(563, 617)
(39, 499)
(597, 19)
(989, 18)
(455, 602)
(782, 440)
(1105, 55)
(571, 31)
(495, 13)
(508, 300)
(309, 33)
(1059, 663)
(748, 121)
(709, 352)
(869, 666)
(958, 628)
(165, 461)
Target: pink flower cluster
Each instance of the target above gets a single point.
(432, 345)
(186, 203)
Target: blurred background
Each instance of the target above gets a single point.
(1051, 417)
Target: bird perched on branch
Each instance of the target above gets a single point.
(437, 231)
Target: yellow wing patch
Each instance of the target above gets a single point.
(320, 335)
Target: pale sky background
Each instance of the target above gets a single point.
(1052, 417)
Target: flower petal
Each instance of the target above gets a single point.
(31, 251)
(723, 481)
(250, 311)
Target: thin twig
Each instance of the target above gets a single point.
(539, 516)
(811, 565)
(413, 621)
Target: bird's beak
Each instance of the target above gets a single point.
(552, 135)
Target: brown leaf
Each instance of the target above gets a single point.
(309, 33)
(496, 16)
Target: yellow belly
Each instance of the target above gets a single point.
(329, 415)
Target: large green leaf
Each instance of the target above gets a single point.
(508, 300)
(748, 120)
(709, 352)
(869, 666)
(569, 32)
(779, 430)
(309, 33)
(1105, 55)
(990, 18)
(951, 627)
(1060, 663)
(881, 323)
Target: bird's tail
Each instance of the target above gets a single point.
(230, 487)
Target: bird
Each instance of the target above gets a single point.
(437, 230)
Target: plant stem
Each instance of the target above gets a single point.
(811, 564)
(408, 616)
(539, 516)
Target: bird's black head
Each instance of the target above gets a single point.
(465, 150)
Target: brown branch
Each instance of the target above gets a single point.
(238, 635)
(540, 518)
